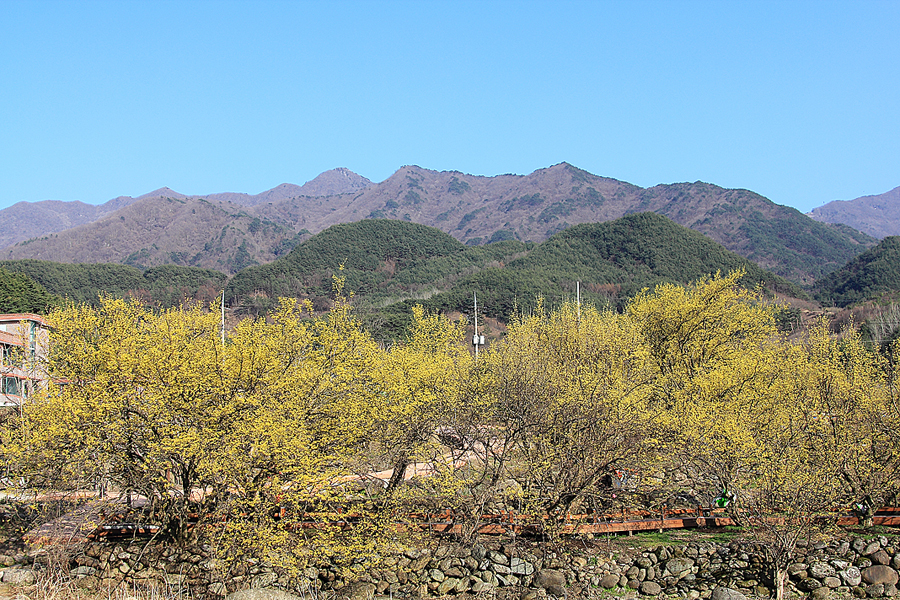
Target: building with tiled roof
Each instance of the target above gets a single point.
(24, 340)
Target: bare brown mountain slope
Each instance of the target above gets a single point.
(156, 231)
(334, 181)
(878, 216)
(26, 220)
(533, 207)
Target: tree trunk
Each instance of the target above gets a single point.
(780, 579)
(399, 472)
(868, 519)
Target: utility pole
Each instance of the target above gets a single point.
(476, 339)
(578, 303)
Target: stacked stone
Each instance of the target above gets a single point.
(16, 569)
(867, 568)
(861, 567)
(448, 569)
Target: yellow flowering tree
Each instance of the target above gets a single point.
(420, 379)
(567, 400)
(257, 432)
(717, 363)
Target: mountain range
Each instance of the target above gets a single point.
(231, 231)
(878, 216)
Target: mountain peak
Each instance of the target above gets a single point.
(333, 182)
(163, 192)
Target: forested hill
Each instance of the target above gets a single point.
(160, 287)
(872, 273)
(390, 265)
(612, 260)
(383, 261)
(19, 293)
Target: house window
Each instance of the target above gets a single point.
(11, 386)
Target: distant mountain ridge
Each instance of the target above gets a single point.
(27, 220)
(476, 209)
(473, 209)
(878, 215)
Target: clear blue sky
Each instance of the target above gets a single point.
(799, 101)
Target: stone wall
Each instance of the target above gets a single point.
(860, 567)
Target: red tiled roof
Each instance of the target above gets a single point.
(11, 339)
(16, 317)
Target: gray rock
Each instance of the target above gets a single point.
(879, 574)
(851, 576)
(890, 590)
(358, 590)
(558, 591)
(650, 588)
(500, 569)
(264, 580)
(724, 593)
(18, 576)
(82, 571)
(821, 570)
(497, 557)
(481, 586)
(517, 566)
(261, 594)
(839, 564)
(548, 577)
(609, 581)
(677, 566)
(216, 589)
(821, 593)
(808, 585)
(871, 548)
(479, 552)
(832, 582)
(880, 557)
(876, 590)
(447, 585)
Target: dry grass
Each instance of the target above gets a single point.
(59, 586)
